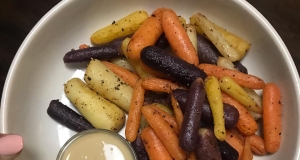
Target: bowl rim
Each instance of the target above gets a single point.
(242, 3)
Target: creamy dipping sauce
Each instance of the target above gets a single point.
(98, 146)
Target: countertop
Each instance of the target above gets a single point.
(18, 17)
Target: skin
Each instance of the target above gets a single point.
(10, 146)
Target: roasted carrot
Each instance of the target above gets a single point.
(136, 65)
(230, 87)
(214, 97)
(178, 38)
(129, 77)
(153, 145)
(159, 85)
(238, 134)
(244, 80)
(182, 20)
(177, 111)
(167, 117)
(134, 114)
(219, 41)
(83, 46)
(257, 145)
(165, 133)
(158, 12)
(272, 117)
(247, 153)
(235, 141)
(146, 35)
(246, 123)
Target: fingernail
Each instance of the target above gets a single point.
(10, 144)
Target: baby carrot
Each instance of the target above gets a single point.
(178, 38)
(235, 141)
(134, 114)
(140, 41)
(159, 85)
(214, 96)
(146, 35)
(136, 65)
(158, 12)
(164, 132)
(247, 153)
(153, 145)
(244, 80)
(272, 117)
(257, 145)
(177, 111)
(83, 46)
(182, 20)
(246, 123)
(128, 77)
(230, 87)
(167, 117)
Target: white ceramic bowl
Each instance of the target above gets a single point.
(38, 73)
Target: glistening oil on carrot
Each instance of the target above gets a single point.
(272, 117)
(178, 38)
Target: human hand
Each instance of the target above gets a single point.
(10, 146)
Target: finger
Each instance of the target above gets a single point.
(10, 145)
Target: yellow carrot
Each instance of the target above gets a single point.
(230, 87)
(214, 97)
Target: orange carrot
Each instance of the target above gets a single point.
(235, 141)
(129, 77)
(177, 111)
(134, 114)
(158, 12)
(238, 134)
(165, 133)
(153, 145)
(83, 46)
(167, 117)
(257, 145)
(146, 35)
(247, 153)
(244, 80)
(246, 123)
(272, 117)
(159, 85)
(178, 38)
